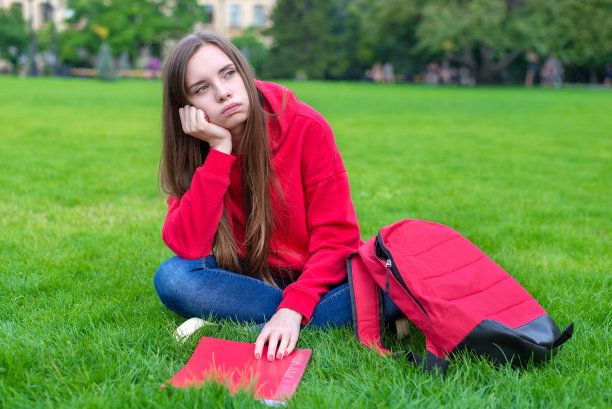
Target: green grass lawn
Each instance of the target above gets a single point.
(524, 174)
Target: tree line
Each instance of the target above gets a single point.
(342, 39)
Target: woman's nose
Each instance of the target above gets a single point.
(223, 93)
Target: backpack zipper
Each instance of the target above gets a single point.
(391, 266)
(388, 264)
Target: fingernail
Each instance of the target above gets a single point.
(279, 356)
(286, 353)
(257, 356)
(270, 357)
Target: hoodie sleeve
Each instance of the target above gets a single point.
(191, 222)
(332, 221)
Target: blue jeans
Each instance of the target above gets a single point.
(198, 288)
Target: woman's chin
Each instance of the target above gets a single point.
(236, 128)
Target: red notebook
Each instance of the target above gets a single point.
(233, 364)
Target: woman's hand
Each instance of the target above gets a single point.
(196, 124)
(283, 331)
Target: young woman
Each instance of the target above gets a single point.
(254, 176)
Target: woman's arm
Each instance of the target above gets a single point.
(333, 235)
(330, 216)
(191, 222)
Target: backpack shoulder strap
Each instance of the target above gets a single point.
(565, 335)
(429, 363)
(366, 305)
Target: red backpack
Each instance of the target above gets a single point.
(457, 296)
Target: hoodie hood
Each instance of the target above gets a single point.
(281, 105)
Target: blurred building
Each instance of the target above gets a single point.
(230, 17)
(227, 17)
(41, 11)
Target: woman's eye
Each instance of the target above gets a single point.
(201, 89)
(230, 73)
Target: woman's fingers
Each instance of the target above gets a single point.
(187, 115)
(261, 341)
(292, 343)
(200, 117)
(281, 334)
(192, 119)
(283, 341)
(272, 345)
(183, 121)
(195, 123)
(282, 346)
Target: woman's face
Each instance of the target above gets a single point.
(214, 86)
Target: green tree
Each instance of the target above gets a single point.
(319, 38)
(489, 35)
(388, 28)
(13, 35)
(253, 49)
(342, 38)
(346, 60)
(105, 66)
(131, 24)
(77, 49)
(484, 35)
(585, 31)
(302, 39)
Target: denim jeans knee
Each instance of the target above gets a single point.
(170, 279)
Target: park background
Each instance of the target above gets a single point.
(437, 41)
(522, 172)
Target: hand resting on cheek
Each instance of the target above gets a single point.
(196, 123)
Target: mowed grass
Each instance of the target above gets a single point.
(524, 174)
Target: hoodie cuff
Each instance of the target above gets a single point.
(218, 164)
(301, 302)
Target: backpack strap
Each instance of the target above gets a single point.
(565, 335)
(429, 363)
(366, 305)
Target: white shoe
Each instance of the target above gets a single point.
(189, 327)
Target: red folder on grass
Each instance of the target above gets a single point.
(233, 364)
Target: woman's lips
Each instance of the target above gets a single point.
(231, 109)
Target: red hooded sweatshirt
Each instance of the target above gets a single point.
(317, 225)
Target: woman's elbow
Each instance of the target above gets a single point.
(184, 249)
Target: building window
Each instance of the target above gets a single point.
(235, 15)
(46, 12)
(259, 15)
(209, 14)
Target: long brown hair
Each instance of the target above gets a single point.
(182, 154)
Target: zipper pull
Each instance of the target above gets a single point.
(388, 265)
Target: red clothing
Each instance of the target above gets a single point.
(317, 226)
